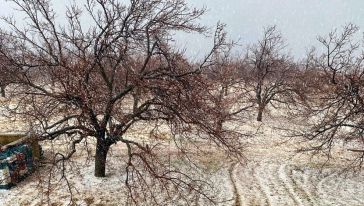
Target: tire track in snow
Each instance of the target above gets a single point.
(249, 188)
(261, 187)
(274, 184)
(276, 191)
(237, 198)
(283, 176)
(301, 180)
(296, 188)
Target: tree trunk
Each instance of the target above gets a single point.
(100, 158)
(260, 114)
(2, 91)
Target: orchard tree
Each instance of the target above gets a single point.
(269, 71)
(229, 93)
(338, 107)
(98, 78)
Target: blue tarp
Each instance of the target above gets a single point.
(15, 164)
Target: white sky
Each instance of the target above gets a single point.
(300, 21)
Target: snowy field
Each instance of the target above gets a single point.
(276, 175)
(272, 174)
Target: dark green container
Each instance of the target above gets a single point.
(17, 139)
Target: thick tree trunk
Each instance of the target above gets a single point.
(2, 91)
(100, 158)
(260, 114)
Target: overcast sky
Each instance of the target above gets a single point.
(300, 21)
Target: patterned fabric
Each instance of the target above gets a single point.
(15, 164)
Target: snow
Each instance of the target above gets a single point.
(272, 174)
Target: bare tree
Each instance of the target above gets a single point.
(98, 81)
(270, 71)
(337, 108)
(339, 51)
(226, 83)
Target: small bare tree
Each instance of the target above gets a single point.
(270, 71)
(98, 81)
(226, 83)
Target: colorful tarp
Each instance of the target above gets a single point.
(15, 164)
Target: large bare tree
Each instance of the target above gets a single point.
(97, 78)
(337, 107)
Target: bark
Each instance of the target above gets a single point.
(102, 149)
(260, 114)
(2, 91)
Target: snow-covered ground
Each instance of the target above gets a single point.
(272, 174)
(276, 175)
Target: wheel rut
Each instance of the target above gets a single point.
(237, 198)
